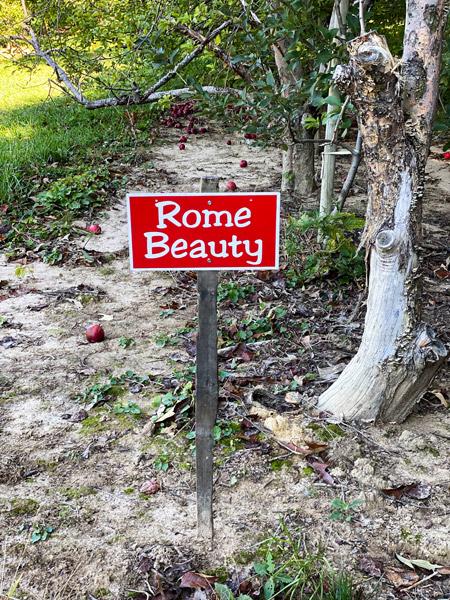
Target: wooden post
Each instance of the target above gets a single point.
(207, 385)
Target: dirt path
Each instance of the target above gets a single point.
(82, 476)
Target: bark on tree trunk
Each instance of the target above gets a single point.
(399, 354)
(298, 164)
(298, 159)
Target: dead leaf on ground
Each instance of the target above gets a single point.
(417, 562)
(197, 580)
(371, 566)
(401, 577)
(321, 468)
(440, 396)
(311, 449)
(149, 487)
(414, 490)
(444, 570)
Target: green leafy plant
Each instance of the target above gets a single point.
(254, 327)
(164, 339)
(224, 593)
(162, 462)
(125, 342)
(335, 256)
(98, 392)
(342, 510)
(289, 570)
(228, 290)
(127, 407)
(39, 532)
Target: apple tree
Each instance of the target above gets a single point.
(396, 102)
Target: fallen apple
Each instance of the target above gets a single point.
(183, 138)
(95, 333)
(230, 185)
(94, 228)
(447, 156)
(243, 164)
(181, 146)
(228, 142)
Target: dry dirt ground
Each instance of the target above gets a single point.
(81, 474)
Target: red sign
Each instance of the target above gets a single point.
(203, 231)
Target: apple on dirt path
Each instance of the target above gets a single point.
(94, 228)
(95, 333)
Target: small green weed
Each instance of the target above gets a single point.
(252, 328)
(99, 392)
(162, 462)
(232, 291)
(224, 593)
(335, 257)
(164, 339)
(342, 509)
(125, 342)
(127, 407)
(39, 532)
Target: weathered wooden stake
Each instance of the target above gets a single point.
(207, 385)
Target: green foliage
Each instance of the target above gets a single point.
(125, 342)
(249, 329)
(127, 407)
(336, 256)
(162, 462)
(97, 393)
(228, 290)
(342, 509)
(39, 532)
(224, 593)
(289, 570)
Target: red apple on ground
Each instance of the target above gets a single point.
(447, 156)
(243, 164)
(231, 186)
(95, 333)
(183, 138)
(181, 146)
(228, 142)
(94, 228)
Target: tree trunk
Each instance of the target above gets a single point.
(298, 163)
(298, 159)
(399, 354)
(328, 156)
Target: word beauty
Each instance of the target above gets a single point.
(203, 231)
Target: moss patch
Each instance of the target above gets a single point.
(24, 506)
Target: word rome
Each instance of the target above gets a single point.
(203, 231)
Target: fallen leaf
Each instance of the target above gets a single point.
(81, 415)
(197, 580)
(440, 396)
(444, 570)
(414, 490)
(149, 487)
(418, 491)
(401, 577)
(422, 564)
(321, 468)
(331, 373)
(371, 566)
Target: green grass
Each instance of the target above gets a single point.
(37, 129)
(54, 158)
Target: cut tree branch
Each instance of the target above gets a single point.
(136, 96)
(238, 68)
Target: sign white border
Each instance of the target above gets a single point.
(207, 195)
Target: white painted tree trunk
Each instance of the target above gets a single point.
(328, 158)
(399, 354)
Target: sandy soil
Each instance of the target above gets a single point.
(82, 477)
